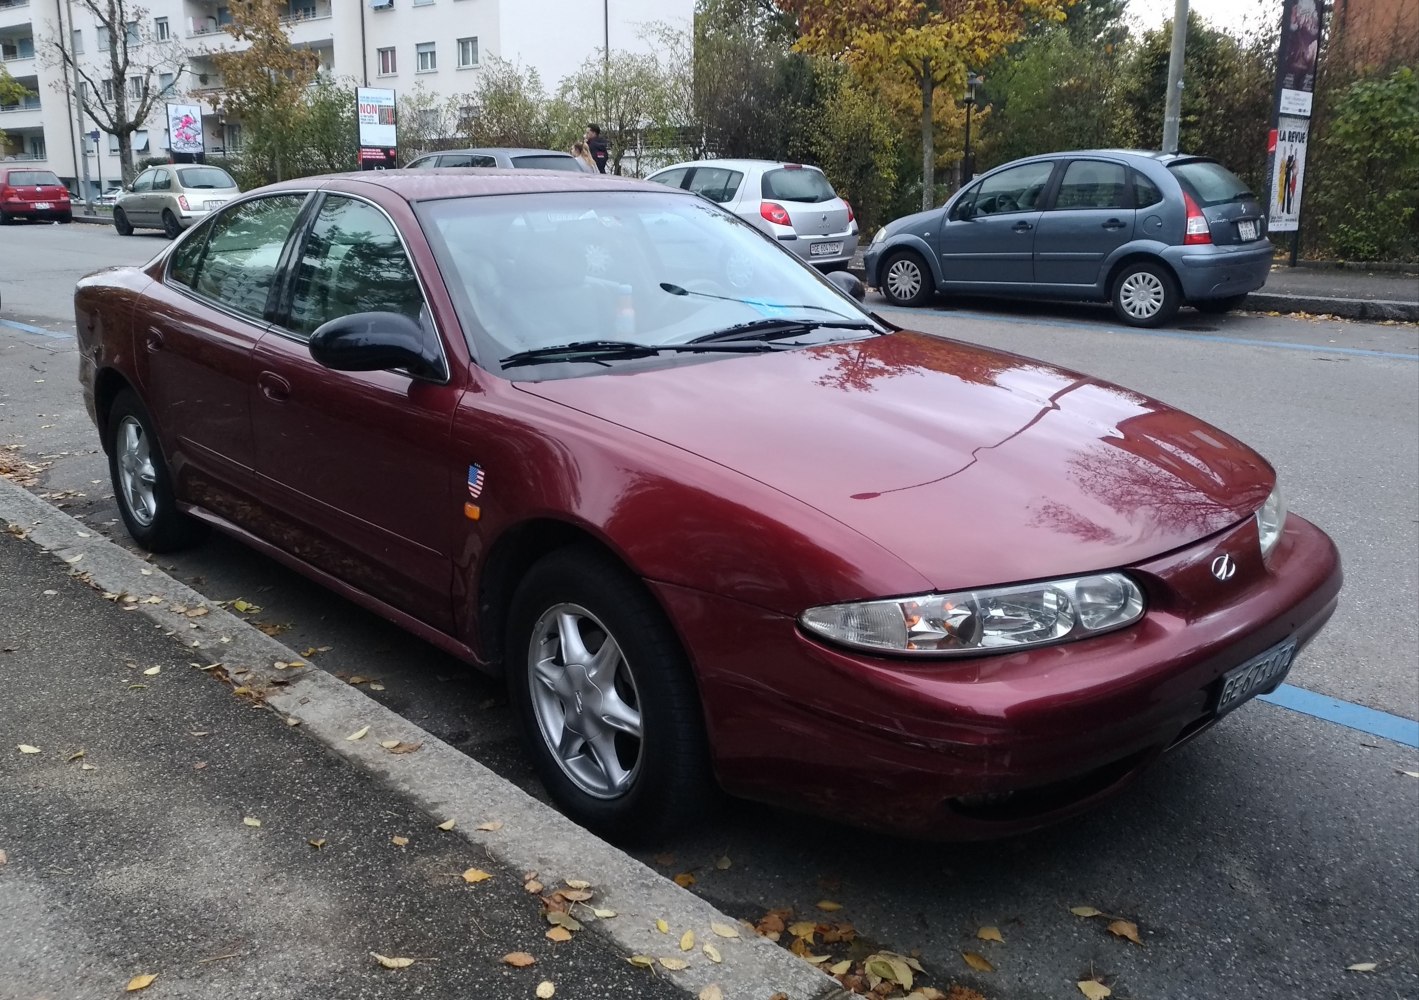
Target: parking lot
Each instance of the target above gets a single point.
(1259, 861)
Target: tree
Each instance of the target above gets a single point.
(427, 120)
(929, 42)
(122, 102)
(265, 86)
(509, 107)
(329, 129)
(856, 144)
(11, 92)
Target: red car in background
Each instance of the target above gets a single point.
(719, 526)
(33, 194)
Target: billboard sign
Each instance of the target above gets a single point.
(185, 128)
(1296, 58)
(378, 127)
(1288, 174)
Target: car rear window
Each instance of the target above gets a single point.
(546, 162)
(1210, 183)
(205, 177)
(33, 178)
(797, 184)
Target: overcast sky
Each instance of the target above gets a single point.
(1232, 16)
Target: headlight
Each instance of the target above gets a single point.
(1270, 519)
(879, 236)
(999, 619)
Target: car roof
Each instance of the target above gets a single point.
(454, 182)
(1141, 154)
(506, 150)
(742, 164)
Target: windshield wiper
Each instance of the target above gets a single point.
(680, 290)
(599, 351)
(772, 329)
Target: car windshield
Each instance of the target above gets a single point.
(1210, 183)
(529, 272)
(205, 177)
(33, 178)
(546, 161)
(797, 184)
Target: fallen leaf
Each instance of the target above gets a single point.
(803, 929)
(448, 824)
(489, 827)
(251, 821)
(641, 961)
(389, 744)
(712, 953)
(559, 934)
(684, 880)
(26, 748)
(725, 930)
(1361, 967)
(245, 607)
(563, 920)
(474, 875)
(828, 906)
(604, 914)
(73, 757)
(838, 968)
(977, 961)
(675, 964)
(87, 767)
(1410, 774)
(574, 895)
(545, 990)
(1126, 929)
(687, 941)
(662, 926)
(723, 863)
(399, 841)
(519, 959)
(197, 612)
(990, 934)
(293, 722)
(317, 842)
(391, 963)
(1093, 989)
(1085, 911)
(201, 765)
(152, 671)
(711, 992)
(575, 883)
(357, 679)
(3, 858)
(358, 734)
(140, 983)
(533, 886)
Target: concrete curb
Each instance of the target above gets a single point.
(440, 780)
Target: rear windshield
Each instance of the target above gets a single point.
(797, 185)
(205, 177)
(546, 162)
(1210, 183)
(35, 178)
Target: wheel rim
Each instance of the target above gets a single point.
(903, 279)
(137, 478)
(1141, 294)
(585, 700)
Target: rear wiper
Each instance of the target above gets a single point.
(773, 329)
(599, 351)
(1241, 196)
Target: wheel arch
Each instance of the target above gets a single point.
(1136, 257)
(916, 245)
(108, 383)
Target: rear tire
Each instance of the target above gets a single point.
(121, 223)
(1217, 307)
(906, 279)
(1146, 294)
(64, 220)
(170, 227)
(4, 219)
(142, 484)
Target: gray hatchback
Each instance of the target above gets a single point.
(1146, 231)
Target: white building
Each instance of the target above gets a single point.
(396, 44)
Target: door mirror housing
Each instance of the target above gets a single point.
(377, 341)
(965, 211)
(848, 283)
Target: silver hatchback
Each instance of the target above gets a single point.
(172, 197)
(792, 202)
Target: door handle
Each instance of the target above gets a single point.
(153, 339)
(1114, 224)
(1022, 227)
(273, 386)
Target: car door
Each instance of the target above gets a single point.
(162, 195)
(719, 184)
(1091, 216)
(194, 348)
(357, 464)
(988, 236)
(136, 204)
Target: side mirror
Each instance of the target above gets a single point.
(848, 283)
(376, 341)
(965, 211)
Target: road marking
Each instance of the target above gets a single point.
(26, 328)
(1174, 334)
(1345, 713)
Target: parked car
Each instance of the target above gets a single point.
(717, 525)
(792, 202)
(172, 197)
(1145, 231)
(26, 193)
(497, 158)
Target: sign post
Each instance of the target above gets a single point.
(1296, 58)
(378, 128)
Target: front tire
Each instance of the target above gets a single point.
(171, 229)
(609, 708)
(1145, 294)
(121, 223)
(906, 280)
(1216, 307)
(142, 484)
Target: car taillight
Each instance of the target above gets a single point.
(7, 193)
(850, 216)
(182, 200)
(775, 213)
(64, 195)
(1198, 231)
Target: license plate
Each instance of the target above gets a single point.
(825, 249)
(215, 203)
(42, 206)
(1246, 229)
(1260, 673)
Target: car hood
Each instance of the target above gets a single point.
(973, 466)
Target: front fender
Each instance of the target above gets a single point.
(910, 241)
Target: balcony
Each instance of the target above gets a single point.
(14, 11)
(26, 114)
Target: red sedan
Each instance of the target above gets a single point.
(719, 526)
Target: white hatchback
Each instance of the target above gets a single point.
(792, 202)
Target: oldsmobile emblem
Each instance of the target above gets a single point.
(1223, 568)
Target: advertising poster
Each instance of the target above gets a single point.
(379, 137)
(1296, 58)
(1288, 166)
(185, 128)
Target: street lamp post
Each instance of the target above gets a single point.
(968, 167)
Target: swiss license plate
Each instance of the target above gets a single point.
(1258, 674)
(215, 203)
(825, 249)
(1246, 229)
(43, 206)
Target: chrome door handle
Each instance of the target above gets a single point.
(273, 386)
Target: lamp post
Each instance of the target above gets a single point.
(968, 167)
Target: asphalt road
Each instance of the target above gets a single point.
(1258, 862)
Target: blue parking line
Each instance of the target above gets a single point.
(1174, 334)
(26, 328)
(1345, 713)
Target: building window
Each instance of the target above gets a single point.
(165, 82)
(104, 38)
(162, 28)
(428, 59)
(37, 147)
(108, 90)
(224, 16)
(112, 143)
(422, 3)
(130, 32)
(232, 132)
(467, 53)
(78, 42)
(388, 64)
(135, 87)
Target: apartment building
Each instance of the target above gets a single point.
(397, 44)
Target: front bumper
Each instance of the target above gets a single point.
(1218, 272)
(1000, 744)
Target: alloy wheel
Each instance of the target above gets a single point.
(136, 475)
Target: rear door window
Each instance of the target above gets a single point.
(1145, 192)
(797, 184)
(237, 268)
(456, 160)
(1092, 184)
(546, 161)
(672, 178)
(1210, 183)
(716, 183)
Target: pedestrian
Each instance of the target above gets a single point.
(582, 156)
(600, 149)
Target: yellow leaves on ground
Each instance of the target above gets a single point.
(545, 990)
(711, 992)
(316, 842)
(723, 863)
(251, 821)
(561, 919)
(448, 824)
(828, 906)
(140, 982)
(391, 963)
(803, 929)
(725, 930)
(840, 968)
(687, 941)
(246, 607)
(3, 857)
(358, 734)
(152, 671)
(1126, 929)
(533, 886)
(661, 925)
(389, 744)
(1085, 911)
(26, 748)
(578, 883)
(641, 961)
(889, 967)
(519, 959)
(574, 895)
(476, 875)
(977, 961)
(489, 827)
(402, 747)
(558, 934)
(674, 964)
(1093, 989)
(603, 914)
(399, 841)
(989, 933)
(684, 880)
(712, 953)
(1361, 967)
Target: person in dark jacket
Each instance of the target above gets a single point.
(600, 148)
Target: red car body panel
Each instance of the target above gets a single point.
(744, 490)
(23, 201)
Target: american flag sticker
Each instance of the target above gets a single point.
(475, 481)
